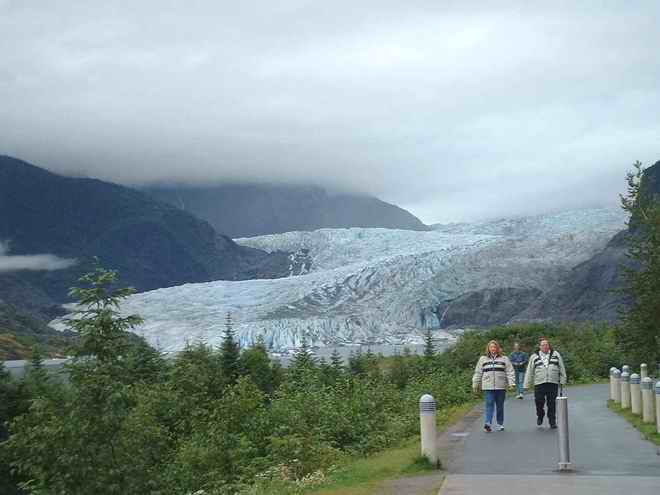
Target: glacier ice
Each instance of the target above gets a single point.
(373, 285)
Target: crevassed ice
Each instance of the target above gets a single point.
(374, 285)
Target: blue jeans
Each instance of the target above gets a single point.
(520, 379)
(495, 399)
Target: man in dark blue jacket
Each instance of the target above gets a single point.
(519, 361)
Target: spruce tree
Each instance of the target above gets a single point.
(303, 365)
(230, 354)
(37, 376)
(639, 332)
(256, 363)
(303, 357)
(337, 362)
(429, 347)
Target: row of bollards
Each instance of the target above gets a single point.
(635, 392)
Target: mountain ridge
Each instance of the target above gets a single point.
(151, 244)
(258, 209)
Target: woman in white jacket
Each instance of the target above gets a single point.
(493, 374)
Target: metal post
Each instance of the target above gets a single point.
(635, 394)
(427, 420)
(648, 415)
(612, 383)
(643, 371)
(617, 386)
(657, 407)
(562, 436)
(625, 390)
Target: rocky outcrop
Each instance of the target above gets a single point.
(485, 307)
(591, 292)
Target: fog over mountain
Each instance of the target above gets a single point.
(453, 110)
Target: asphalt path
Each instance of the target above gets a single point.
(608, 455)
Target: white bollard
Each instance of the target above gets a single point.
(617, 386)
(428, 428)
(612, 382)
(643, 371)
(648, 414)
(625, 390)
(657, 407)
(625, 369)
(563, 435)
(635, 394)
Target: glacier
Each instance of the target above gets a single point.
(373, 285)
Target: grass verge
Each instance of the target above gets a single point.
(647, 430)
(363, 476)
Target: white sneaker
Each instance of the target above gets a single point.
(500, 427)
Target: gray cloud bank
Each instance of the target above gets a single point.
(456, 110)
(36, 262)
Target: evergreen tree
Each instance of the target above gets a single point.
(639, 332)
(37, 376)
(399, 372)
(303, 357)
(303, 364)
(356, 364)
(230, 354)
(85, 425)
(429, 347)
(144, 363)
(256, 363)
(337, 363)
(14, 401)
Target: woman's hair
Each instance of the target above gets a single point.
(499, 348)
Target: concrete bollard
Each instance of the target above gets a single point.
(643, 371)
(625, 369)
(428, 428)
(612, 382)
(657, 407)
(648, 414)
(635, 394)
(625, 390)
(617, 386)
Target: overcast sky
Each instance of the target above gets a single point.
(454, 110)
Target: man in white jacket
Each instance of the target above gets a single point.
(545, 371)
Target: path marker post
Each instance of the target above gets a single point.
(612, 382)
(563, 433)
(625, 390)
(617, 386)
(648, 413)
(428, 428)
(657, 407)
(635, 394)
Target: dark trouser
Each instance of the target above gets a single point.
(546, 392)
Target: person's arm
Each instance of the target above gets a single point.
(562, 370)
(510, 373)
(478, 372)
(529, 376)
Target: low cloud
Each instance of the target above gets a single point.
(458, 111)
(33, 262)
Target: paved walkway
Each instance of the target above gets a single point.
(608, 455)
